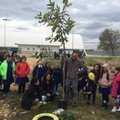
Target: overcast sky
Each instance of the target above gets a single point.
(91, 18)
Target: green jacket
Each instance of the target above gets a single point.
(3, 69)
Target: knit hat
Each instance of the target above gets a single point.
(106, 66)
(117, 68)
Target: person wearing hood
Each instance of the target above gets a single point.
(105, 83)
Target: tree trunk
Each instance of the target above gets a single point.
(113, 52)
(64, 70)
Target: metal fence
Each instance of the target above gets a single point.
(103, 53)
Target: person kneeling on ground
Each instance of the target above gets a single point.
(31, 98)
(48, 87)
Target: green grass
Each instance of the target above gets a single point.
(82, 112)
(11, 104)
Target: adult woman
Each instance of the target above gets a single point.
(47, 87)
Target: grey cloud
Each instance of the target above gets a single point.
(92, 26)
(28, 9)
(22, 28)
(102, 10)
(90, 34)
(96, 25)
(91, 16)
(24, 9)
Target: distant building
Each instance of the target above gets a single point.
(32, 48)
(75, 42)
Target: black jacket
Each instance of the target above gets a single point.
(29, 96)
(47, 88)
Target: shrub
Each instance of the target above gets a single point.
(66, 116)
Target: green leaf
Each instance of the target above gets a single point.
(59, 20)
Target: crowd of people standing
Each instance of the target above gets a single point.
(44, 84)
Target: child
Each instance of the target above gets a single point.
(57, 75)
(82, 83)
(2, 58)
(39, 70)
(116, 90)
(31, 98)
(22, 69)
(6, 71)
(105, 83)
(96, 71)
(48, 68)
(47, 87)
(88, 86)
(15, 57)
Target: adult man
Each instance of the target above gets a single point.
(74, 67)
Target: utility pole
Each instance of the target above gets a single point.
(73, 39)
(4, 19)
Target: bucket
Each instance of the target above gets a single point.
(45, 116)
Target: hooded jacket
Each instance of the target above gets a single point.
(103, 81)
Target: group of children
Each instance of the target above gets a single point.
(44, 85)
(9, 68)
(105, 82)
(45, 80)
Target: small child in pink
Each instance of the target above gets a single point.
(116, 90)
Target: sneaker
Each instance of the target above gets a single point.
(41, 102)
(114, 109)
(44, 103)
(4, 95)
(8, 94)
(118, 110)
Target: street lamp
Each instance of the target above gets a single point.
(4, 32)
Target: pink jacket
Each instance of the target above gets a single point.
(103, 82)
(116, 81)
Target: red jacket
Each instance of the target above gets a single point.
(116, 81)
(22, 69)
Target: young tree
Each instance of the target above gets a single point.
(109, 40)
(60, 22)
